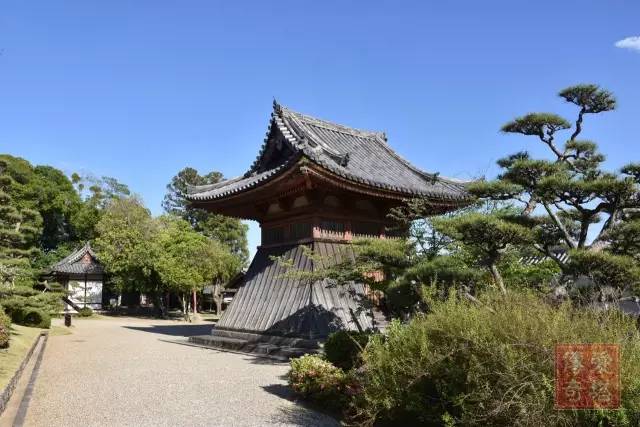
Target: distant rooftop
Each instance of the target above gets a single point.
(81, 261)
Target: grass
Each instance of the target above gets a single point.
(55, 331)
(22, 338)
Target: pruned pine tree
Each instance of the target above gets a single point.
(573, 200)
(18, 234)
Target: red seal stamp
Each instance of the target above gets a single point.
(587, 376)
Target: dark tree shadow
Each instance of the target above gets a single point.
(314, 320)
(302, 414)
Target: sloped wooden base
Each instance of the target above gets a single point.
(272, 302)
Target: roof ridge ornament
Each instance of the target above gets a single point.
(277, 108)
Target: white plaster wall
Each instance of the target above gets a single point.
(94, 294)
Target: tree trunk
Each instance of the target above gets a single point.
(497, 277)
(218, 301)
(195, 302)
(185, 309)
(217, 297)
(158, 304)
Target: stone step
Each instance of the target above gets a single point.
(270, 339)
(380, 320)
(261, 349)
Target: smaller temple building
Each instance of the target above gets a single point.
(82, 276)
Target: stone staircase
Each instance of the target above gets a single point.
(269, 346)
(380, 321)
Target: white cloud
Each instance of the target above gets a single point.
(632, 43)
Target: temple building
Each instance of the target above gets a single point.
(82, 276)
(318, 185)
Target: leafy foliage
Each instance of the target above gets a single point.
(475, 366)
(85, 312)
(127, 246)
(318, 380)
(159, 255)
(343, 348)
(188, 260)
(96, 194)
(35, 318)
(605, 269)
(572, 190)
(19, 302)
(486, 237)
(229, 231)
(624, 239)
(5, 329)
(18, 231)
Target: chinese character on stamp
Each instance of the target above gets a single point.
(587, 376)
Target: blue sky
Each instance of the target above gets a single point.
(139, 90)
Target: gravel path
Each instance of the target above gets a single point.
(120, 372)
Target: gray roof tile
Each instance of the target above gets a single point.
(357, 155)
(75, 264)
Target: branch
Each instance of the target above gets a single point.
(567, 237)
(599, 242)
(575, 133)
(529, 206)
(560, 208)
(549, 142)
(550, 254)
(475, 300)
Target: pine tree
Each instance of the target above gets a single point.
(571, 201)
(18, 234)
(229, 231)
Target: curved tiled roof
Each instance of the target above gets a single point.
(78, 263)
(359, 156)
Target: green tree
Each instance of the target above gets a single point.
(19, 231)
(571, 190)
(57, 201)
(230, 231)
(188, 260)
(96, 193)
(49, 192)
(487, 238)
(128, 246)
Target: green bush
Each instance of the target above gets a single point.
(14, 307)
(85, 312)
(465, 364)
(5, 329)
(18, 304)
(36, 318)
(318, 380)
(343, 348)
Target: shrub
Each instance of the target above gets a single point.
(343, 348)
(467, 365)
(19, 303)
(85, 312)
(605, 269)
(36, 318)
(5, 329)
(318, 380)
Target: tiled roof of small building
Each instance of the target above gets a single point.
(82, 261)
(359, 156)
